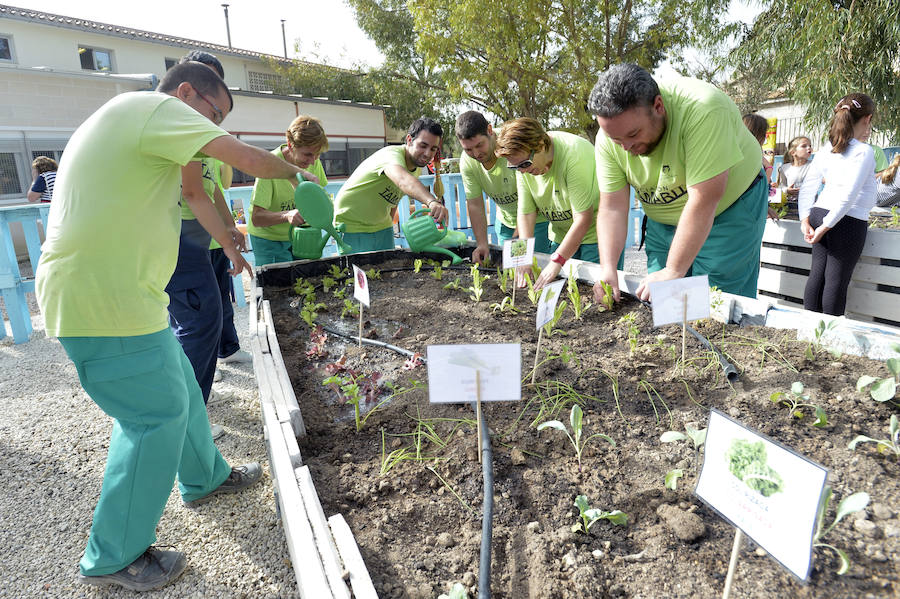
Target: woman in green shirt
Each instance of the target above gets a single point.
(273, 213)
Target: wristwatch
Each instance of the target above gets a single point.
(556, 257)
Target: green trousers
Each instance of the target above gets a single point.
(160, 429)
(589, 252)
(370, 242)
(541, 241)
(266, 251)
(730, 254)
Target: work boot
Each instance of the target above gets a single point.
(240, 478)
(238, 356)
(152, 570)
(217, 431)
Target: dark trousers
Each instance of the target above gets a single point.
(229, 342)
(195, 310)
(833, 261)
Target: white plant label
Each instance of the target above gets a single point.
(451, 372)
(768, 491)
(547, 304)
(518, 252)
(360, 286)
(668, 298)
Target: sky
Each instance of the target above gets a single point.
(324, 27)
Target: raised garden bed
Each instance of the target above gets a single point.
(409, 482)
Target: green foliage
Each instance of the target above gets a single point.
(883, 389)
(796, 399)
(576, 421)
(631, 330)
(550, 328)
(504, 306)
(848, 505)
(588, 515)
(417, 265)
(579, 304)
(374, 275)
(305, 289)
(328, 283)
(309, 311)
(607, 303)
(534, 295)
(350, 308)
(454, 284)
(504, 276)
(891, 444)
(348, 391)
(336, 272)
(477, 289)
(672, 477)
(815, 343)
(696, 436)
(747, 461)
(340, 293)
(438, 273)
(457, 591)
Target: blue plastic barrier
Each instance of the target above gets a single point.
(13, 286)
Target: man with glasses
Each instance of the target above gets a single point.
(696, 169)
(111, 247)
(484, 172)
(366, 203)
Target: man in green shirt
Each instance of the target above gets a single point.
(483, 172)
(368, 200)
(111, 247)
(273, 212)
(695, 168)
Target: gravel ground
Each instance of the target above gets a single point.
(53, 444)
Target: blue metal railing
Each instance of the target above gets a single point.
(13, 286)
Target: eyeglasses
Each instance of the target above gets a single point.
(219, 114)
(524, 164)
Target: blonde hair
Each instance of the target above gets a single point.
(887, 175)
(522, 135)
(305, 131)
(43, 164)
(788, 158)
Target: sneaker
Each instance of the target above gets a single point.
(237, 357)
(217, 376)
(152, 570)
(240, 478)
(217, 431)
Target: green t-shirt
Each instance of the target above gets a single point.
(277, 195)
(364, 202)
(112, 235)
(499, 184)
(209, 186)
(704, 137)
(569, 186)
(881, 161)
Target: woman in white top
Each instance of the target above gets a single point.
(836, 223)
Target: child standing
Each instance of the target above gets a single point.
(796, 164)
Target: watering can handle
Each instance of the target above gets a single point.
(421, 211)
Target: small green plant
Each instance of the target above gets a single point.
(608, 301)
(350, 308)
(309, 311)
(796, 399)
(579, 304)
(632, 330)
(815, 343)
(452, 284)
(391, 459)
(588, 516)
(477, 288)
(535, 269)
(672, 477)
(891, 444)
(438, 272)
(534, 295)
(697, 438)
(417, 265)
(340, 293)
(503, 277)
(550, 328)
(337, 272)
(504, 306)
(328, 283)
(576, 421)
(305, 288)
(348, 391)
(457, 591)
(373, 274)
(883, 389)
(848, 505)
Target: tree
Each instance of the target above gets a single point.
(817, 51)
(531, 58)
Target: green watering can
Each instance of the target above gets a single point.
(423, 234)
(316, 208)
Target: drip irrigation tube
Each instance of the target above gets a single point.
(487, 468)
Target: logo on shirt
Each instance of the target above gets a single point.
(504, 200)
(389, 196)
(287, 205)
(557, 215)
(665, 169)
(654, 196)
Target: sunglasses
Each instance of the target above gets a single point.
(220, 116)
(524, 164)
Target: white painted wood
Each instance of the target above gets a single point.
(360, 581)
(331, 560)
(287, 388)
(290, 440)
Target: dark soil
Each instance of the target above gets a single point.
(417, 536)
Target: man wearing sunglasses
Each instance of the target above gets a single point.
(111, 247)
(483, 172)
(366, 203)
(696, 169)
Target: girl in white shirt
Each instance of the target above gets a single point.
(796, 164)
(836, 222)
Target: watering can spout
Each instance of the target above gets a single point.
(422, 234)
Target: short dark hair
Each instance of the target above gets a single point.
(201, 77)
(620, 88)
(205, 58)
(757, 126)
(424, 123)
(471, 123)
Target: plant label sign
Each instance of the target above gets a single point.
(451, 372)
(518, 252)
(547, 304)
(768, 491)
(360, 286)
(668, 299)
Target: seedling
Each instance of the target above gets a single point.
(337, 272)
(318, 338)
(328, 283)
(697, 438)
(576, 421)
(672, 477)
(452, 284)
(848, 505)
(350, 308)
(417, 265)
(503, 277)
(815, 344)
(389, 460)
(352, 387)
(373, 274)
(504, 306)
(305, 288)
(438, 273)
(883, 389)
(579, 305)
(340, 293)
(533, 294)
(796, 399)
(632, 331)
(477, 289)
(891, 444)
(457, 591)
(607, 302)
(347, 391)
(588, 516)
(309, 311)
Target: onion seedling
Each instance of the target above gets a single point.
(576, 421)
(588, 515)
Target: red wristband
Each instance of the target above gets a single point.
(556, 257)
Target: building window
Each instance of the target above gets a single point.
(9, 176)
(6, 49)
(95, 59)
(54, 154)
(171, 62)
(266, 82)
